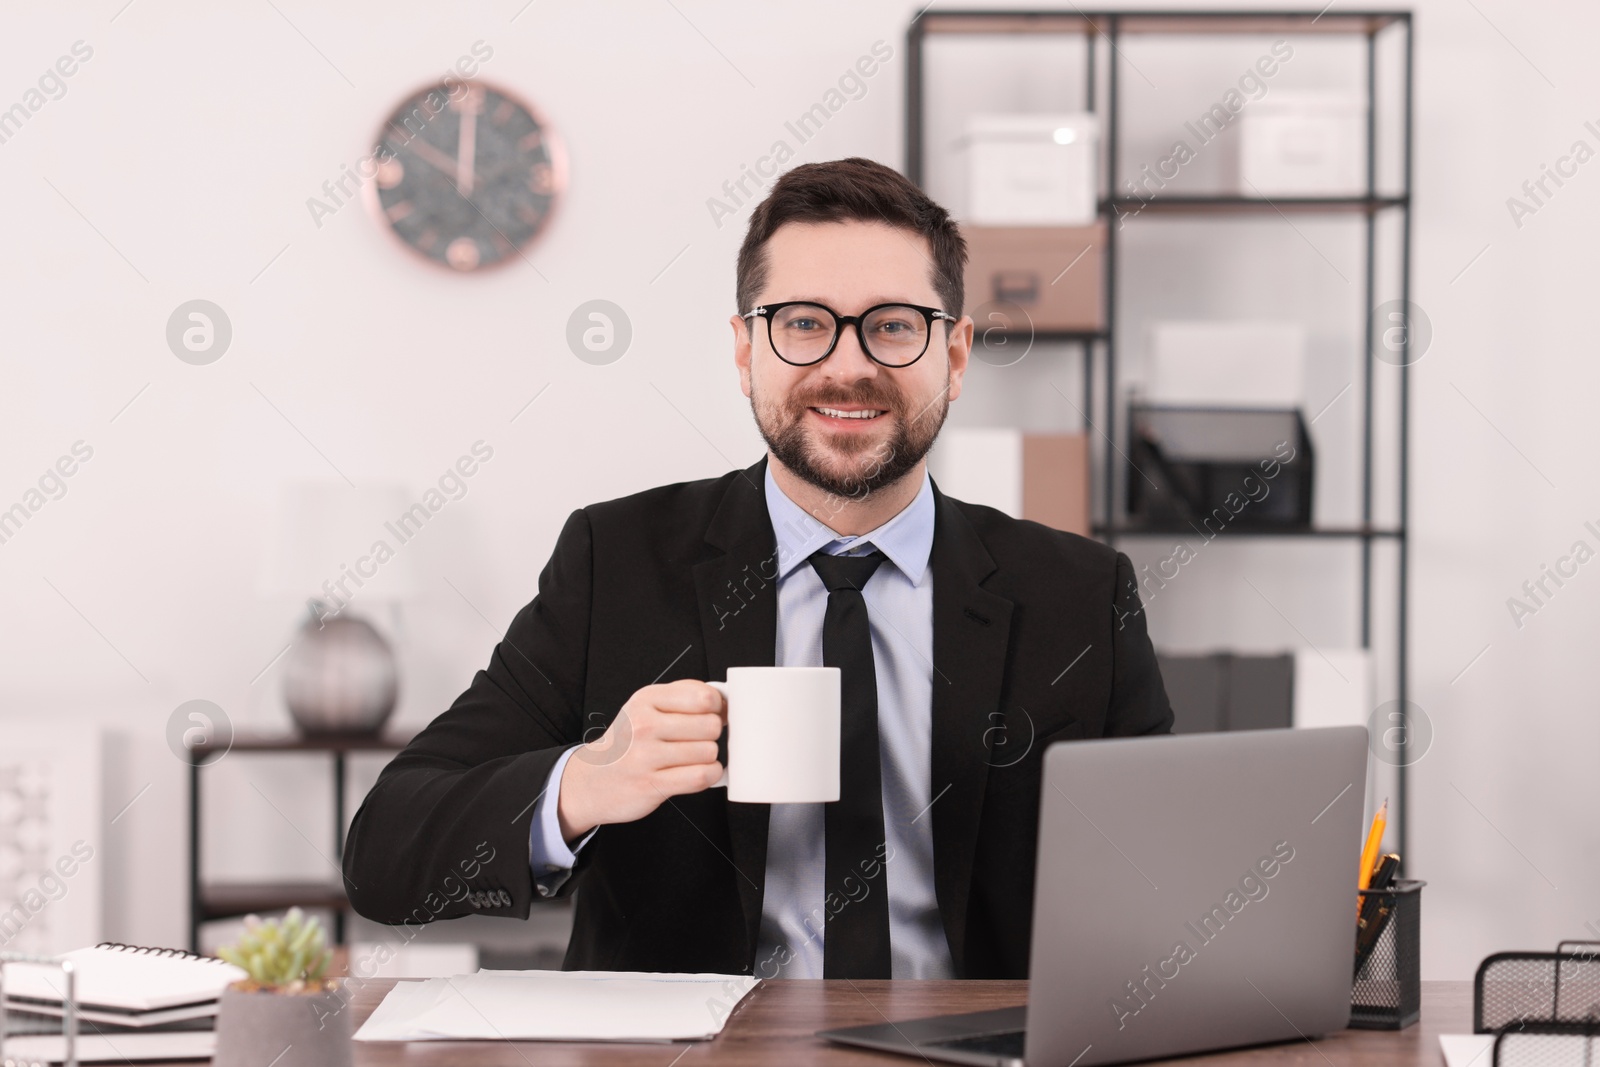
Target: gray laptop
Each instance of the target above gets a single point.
(1193, 893)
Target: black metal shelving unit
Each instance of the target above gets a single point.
(1100, 347)
(229, 900)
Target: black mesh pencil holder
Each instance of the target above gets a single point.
(1387, 992)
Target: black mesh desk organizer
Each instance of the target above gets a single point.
(1387, 994)
(1542, 1007)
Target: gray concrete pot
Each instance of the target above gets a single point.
(283, 1029)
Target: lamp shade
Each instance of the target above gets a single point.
(336, 542)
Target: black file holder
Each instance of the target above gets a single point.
(1542, 1007)
(69, 1010)
(1534, 1045)
(1216, 468)
(1546, 989)
(1387, 992)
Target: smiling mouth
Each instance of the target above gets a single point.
(859, 415)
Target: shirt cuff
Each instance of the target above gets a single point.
(549, 857)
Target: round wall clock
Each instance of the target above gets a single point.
(466, 175)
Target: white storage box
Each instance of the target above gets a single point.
(1334, 687)
(1032, 170)
(1303, 144)
(980, 466)
(1243, 363)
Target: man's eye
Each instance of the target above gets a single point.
(802, 324)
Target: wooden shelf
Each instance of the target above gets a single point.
(1131, 206)
(225, 900)
(303, 743)
(1049, 336)
(1347, 533)
(1362, 23)
(1009, 22)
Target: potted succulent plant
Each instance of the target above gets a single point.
(285, 1013)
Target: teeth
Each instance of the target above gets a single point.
(836, 413)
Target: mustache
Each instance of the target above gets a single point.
(888, 399)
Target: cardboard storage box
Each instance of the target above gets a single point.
(1032, 170)
(1055, 480)
(1038, 476)
(1055, 274)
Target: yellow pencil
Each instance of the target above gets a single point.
(1369, 854)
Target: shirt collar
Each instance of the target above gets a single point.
(906, 539)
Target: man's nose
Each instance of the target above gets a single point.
(849, 361)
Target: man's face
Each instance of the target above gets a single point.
(849, 267)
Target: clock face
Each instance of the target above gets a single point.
(467, 174)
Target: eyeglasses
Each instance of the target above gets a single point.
(892, 335)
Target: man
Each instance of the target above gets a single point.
(584, 757)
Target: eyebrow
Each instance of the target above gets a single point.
(871, 301)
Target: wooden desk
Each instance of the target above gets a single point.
(776, 1023)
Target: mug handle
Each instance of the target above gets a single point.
(721, 687)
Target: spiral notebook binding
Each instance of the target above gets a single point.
(167, 953)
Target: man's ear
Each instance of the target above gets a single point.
(741, 350)
(960, 353)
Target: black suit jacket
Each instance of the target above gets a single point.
(1038, 637)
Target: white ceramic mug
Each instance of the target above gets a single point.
(783, 734)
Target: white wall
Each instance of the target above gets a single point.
(178, 164)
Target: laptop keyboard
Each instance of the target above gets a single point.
(1006, 1043)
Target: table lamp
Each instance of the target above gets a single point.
(336, 553)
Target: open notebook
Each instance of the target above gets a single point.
(125, 985)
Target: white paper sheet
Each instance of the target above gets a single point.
(1466, 1050)
(558, 1006)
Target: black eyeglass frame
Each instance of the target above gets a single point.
(929, 315)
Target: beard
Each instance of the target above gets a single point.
(849, 464)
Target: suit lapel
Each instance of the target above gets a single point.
(738, 600)
(971, 630)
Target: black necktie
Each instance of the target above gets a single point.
(856, 888)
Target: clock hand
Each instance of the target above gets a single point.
(467, 147)
(435, 158)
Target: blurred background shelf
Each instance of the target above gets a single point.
(1085, 77)
(210, 900)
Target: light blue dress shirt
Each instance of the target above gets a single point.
(899, 599)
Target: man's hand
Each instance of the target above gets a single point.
(662, 743)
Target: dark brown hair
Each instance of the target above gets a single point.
(852, 189)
